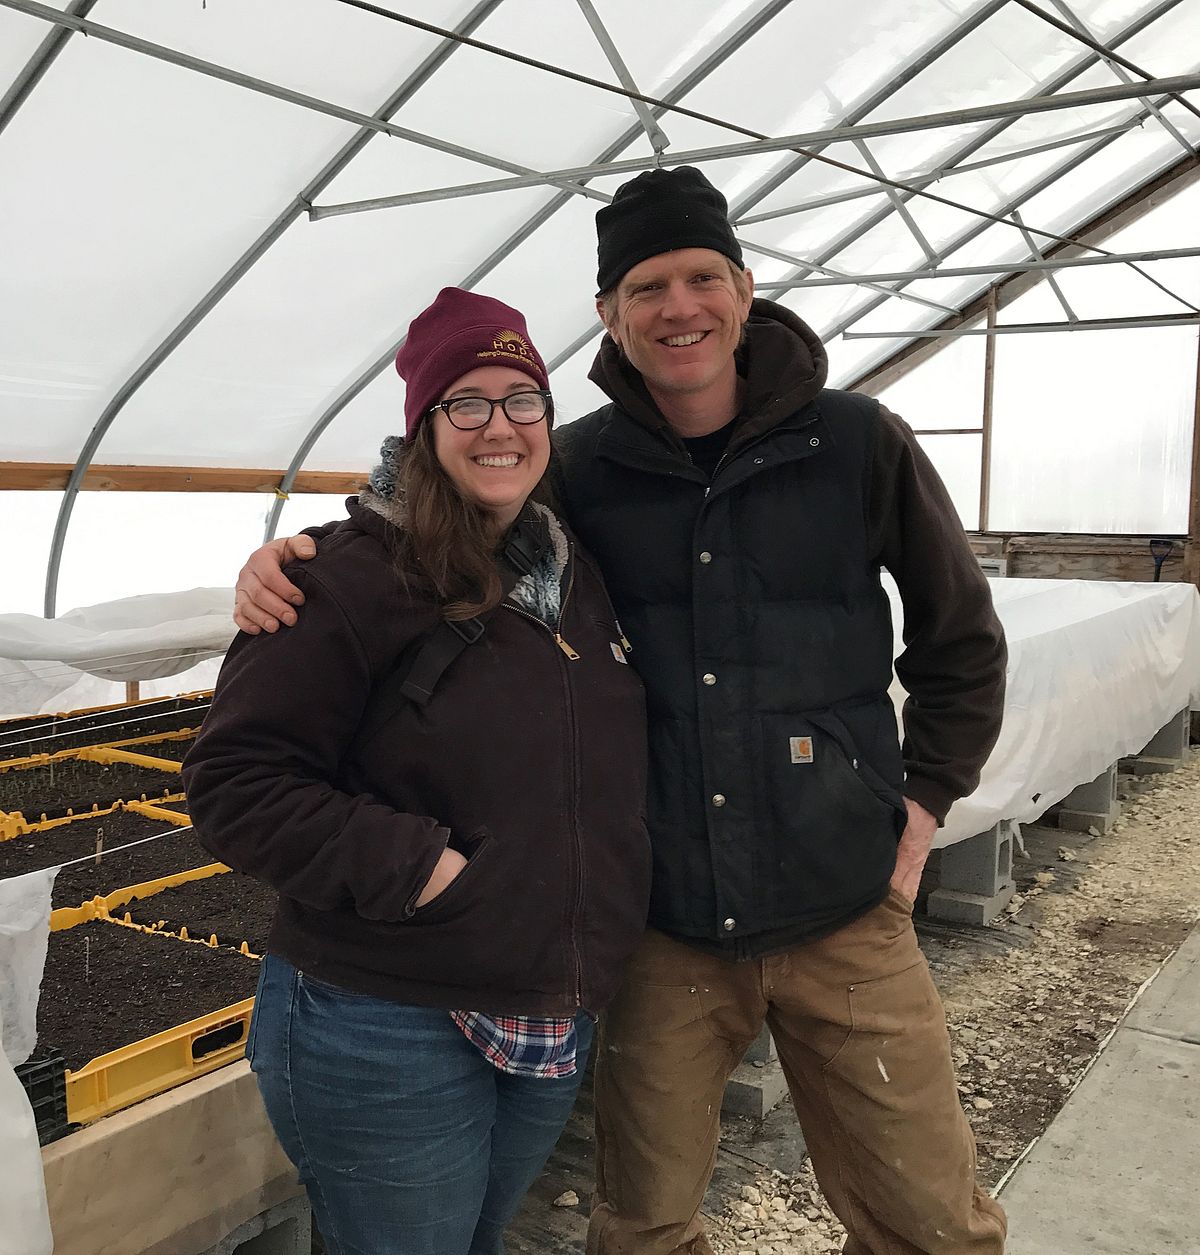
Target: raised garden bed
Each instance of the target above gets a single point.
(72, 784)
(174, 750)
(73, 885)
(231, 907)
(107, 986)
(47, 734)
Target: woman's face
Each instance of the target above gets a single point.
(495, 466)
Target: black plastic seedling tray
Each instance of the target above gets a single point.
(45, 1083)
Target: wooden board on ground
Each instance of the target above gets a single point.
(171, 1176)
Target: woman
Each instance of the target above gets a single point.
(452, 816)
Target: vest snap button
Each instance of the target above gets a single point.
(758, 461)
(814, 442)
(709, 678)
(718, 799)
(706, 557)
(730, 924)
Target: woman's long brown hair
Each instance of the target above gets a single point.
(449, 540)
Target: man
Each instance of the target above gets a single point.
(741, 513)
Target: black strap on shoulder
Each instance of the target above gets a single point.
(418, 671)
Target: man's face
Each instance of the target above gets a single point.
(678, 318)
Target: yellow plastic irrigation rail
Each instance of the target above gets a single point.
(35, 760)
(99, 710)
(155, 1064)
(93, 754)
(102, 754)
(14, 823)
(103, 906)
(152, 811)
(40, 760)
(179, 734)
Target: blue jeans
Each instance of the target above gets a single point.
(407, 1140)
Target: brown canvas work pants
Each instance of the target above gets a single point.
(863, 1043)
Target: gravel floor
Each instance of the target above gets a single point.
(1030, 1000)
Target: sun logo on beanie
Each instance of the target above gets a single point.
(509, 344)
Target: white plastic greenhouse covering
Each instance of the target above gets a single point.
(166, 298)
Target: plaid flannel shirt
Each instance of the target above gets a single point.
(524, 1045)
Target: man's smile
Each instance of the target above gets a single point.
(681, 342)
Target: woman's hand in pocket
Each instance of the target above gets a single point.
(444, 873)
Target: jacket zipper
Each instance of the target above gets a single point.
(713, 476)
(573, 749)
(625, 645)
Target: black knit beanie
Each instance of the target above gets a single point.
(659, 211)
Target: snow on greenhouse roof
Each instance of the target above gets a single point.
(221, 216)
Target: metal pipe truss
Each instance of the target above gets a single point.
(1056, 262)
(935, 176)
(39, 63)
(315, 104)
(777, 178)
(753, 148)
(1035, 328)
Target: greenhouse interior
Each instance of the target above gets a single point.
(227, 227)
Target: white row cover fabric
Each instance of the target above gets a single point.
(1095, 668)
(24, 935)
(151, 637)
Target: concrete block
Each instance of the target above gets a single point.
(762, 1049)
(1166, 750)
(975, 880)
(957, 907)
(980, 864)
(1091, 805)
(754, 1091)
(285, 1229)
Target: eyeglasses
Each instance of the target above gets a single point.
(471, 413)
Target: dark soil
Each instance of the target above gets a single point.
(55, 788)
(107, 986)
(46, 734)
(233, 907)
(174, 750)
(173, 853)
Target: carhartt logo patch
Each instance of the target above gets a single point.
(801, 748)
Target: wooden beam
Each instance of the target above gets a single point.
(989, 392)
(1192, 553)
(37, 476)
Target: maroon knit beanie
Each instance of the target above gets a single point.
(457, 333)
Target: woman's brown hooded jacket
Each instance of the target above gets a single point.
(532, 761)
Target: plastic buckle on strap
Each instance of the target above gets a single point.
(469, 629)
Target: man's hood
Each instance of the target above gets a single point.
(782, 364)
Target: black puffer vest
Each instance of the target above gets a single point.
(764, 640)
